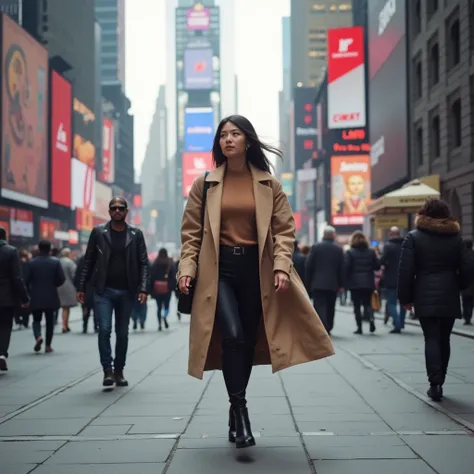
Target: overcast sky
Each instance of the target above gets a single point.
(258, 63)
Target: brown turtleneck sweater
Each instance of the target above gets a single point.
(238, 218)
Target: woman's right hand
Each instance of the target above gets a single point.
(184, 284)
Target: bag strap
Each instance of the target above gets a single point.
(203, 202)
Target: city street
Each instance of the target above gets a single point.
(363, 410)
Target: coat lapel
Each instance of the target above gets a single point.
(213, 205)
(107, 233)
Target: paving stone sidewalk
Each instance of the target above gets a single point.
(345, 415)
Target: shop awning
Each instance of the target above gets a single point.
(412, 195)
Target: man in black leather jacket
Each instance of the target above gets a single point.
(13, 292)
(116, 262)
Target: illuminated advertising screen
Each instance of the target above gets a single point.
(108, 152)
(5, 219)
(83, 186)
(388, 115)
(24, 128)
(346, 78)
(21, 223)
(350, 189)
(198, 129)
(84, 133)
(103, 196)
(194, 164)
(198, 69)
(61, 139)
(198, 18)
(304, 124)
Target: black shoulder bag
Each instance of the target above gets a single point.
(185, 302)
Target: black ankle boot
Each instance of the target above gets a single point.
(243, 432)
(231, 425)
(435, 392)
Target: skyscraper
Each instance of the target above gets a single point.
(111, 16)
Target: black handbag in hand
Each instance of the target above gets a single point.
(185, 302)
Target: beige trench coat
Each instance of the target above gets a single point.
(291, 332)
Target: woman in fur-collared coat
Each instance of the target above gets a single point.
(434, 267)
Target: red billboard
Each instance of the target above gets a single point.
(194, 164)
(108, 152)
(24, 127)
(61, 136)
(346, 78)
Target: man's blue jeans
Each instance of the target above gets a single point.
(120, 301)
(392, 303)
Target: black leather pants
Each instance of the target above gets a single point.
(238, 315)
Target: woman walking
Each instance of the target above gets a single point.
(434, 267)
(250, 307)
(67, 291)
(361, 263)
(163, 282)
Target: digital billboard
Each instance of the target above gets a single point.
(388, 111)
(198, 69)
(83, 186)
(84, 133)
(350, 189)
(61, 139)
(108, 152)
(305, 127)
(198, 129)
(346, 78)
(194, 164)
(198, 18)
(24, 66)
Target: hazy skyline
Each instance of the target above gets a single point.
(258, 54)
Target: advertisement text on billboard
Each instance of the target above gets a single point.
(350, 189)
(198, 18)
(346, 78)
(61, 139)
(198, 129)
(21, 223)
(349, 141)
(24, 67)
(108, 152)
(305, 127)
(83, 186)
(198, 69)
(194, 164)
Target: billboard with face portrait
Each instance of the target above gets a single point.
(350, 189)
(24, 93)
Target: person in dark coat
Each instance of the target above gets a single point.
(434, 267)
(361, 263)
(390, 260)
(12, 294)
(43, 277)
(299, 261)
(163, 282)
(467, 295)
(324, 276)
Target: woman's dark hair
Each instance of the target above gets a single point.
(256, 148)
(436, 209)
(358, 239)
(162, 257)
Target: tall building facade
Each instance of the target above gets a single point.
(310, 20)
(111, 16)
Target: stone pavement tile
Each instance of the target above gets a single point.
(27, 452)
(48, 411)
(262, 442)
(243, 461)
(357, 447)
(159, 425)
(256, 405)
(105, 430)
(459, 404)
(344, 428)
(445, 454)
(434, 421)
(158, 409)
(378, 466)
(339, 410)
(334, 417)
(117, 451)
(17, 468)
(135, 420)
(43, 427)
(136, 468)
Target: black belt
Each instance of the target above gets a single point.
(239, 250)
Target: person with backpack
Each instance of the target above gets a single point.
(163, 282)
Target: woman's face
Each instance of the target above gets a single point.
(355, 185)
(232, 141)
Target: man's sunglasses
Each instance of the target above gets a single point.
(118, 208)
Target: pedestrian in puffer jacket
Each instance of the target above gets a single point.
(434, 267)
(361, 263)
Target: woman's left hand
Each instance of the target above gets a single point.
(282, 281)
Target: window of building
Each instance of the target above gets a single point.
(454, 121)
(319, 7)
(416, 21)
(112, 48)
(472, 115)
(453, 40)
(471, 25)
(313, 53)
(433, 61)
(417, 78)
(345, 7)
(419, 143)
(434, 137)
(431, 7)
(318, 40)
(110, 60)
